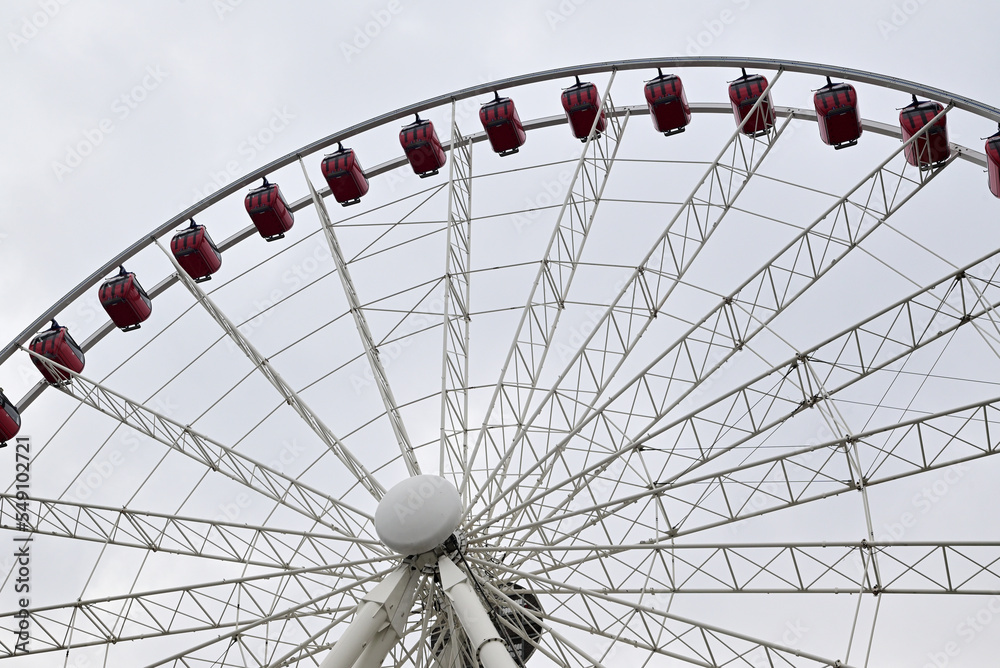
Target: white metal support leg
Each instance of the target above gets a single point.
(483, 636)
(376, 650)
(378, 624)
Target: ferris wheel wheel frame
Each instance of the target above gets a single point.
(419, 494)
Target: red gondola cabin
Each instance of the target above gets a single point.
(269, 211)
(837, 114)
(57, 345)
(502, 125)
(582, 105)
(668, 105)
(743, 95)
(344, 175)
(196, 253)
(931, 148)
(125, 300)
(422, 148)
(10, 420)
(993, 163)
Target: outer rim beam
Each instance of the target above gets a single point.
(965, 153)
(961, 102)
(875, 127)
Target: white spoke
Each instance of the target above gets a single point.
(541, 315)
(212, 454)
(646, 292)
(288, 394)
(180, 610)
(684, 639)
(371, 351)
(780, 394)
(769, 568)
(454, 458)
(802, 476)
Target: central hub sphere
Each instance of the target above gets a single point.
(418, 514)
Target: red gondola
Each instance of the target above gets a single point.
(837, 114)
(344, 175)
(269, 211)
(125, 300)
(196, 252)
(668, 105)
(582, 105)
(502, 125)
(422, 147)
(743, 94)
(931, 148)
(993, 162)
(57, 345)
(10, 420)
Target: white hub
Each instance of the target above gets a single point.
(418, 514)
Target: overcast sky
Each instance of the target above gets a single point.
(118, 115)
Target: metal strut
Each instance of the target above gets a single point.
(371, 351)
(378, 624)
(454, 438)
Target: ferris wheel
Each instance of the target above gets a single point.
(642, 380)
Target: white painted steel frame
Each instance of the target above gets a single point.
(288, 394)
(187, 609)
(785, 568)
(381, 615)
(139, 535)
(958, 300)
(177, 534)
(489, 647)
